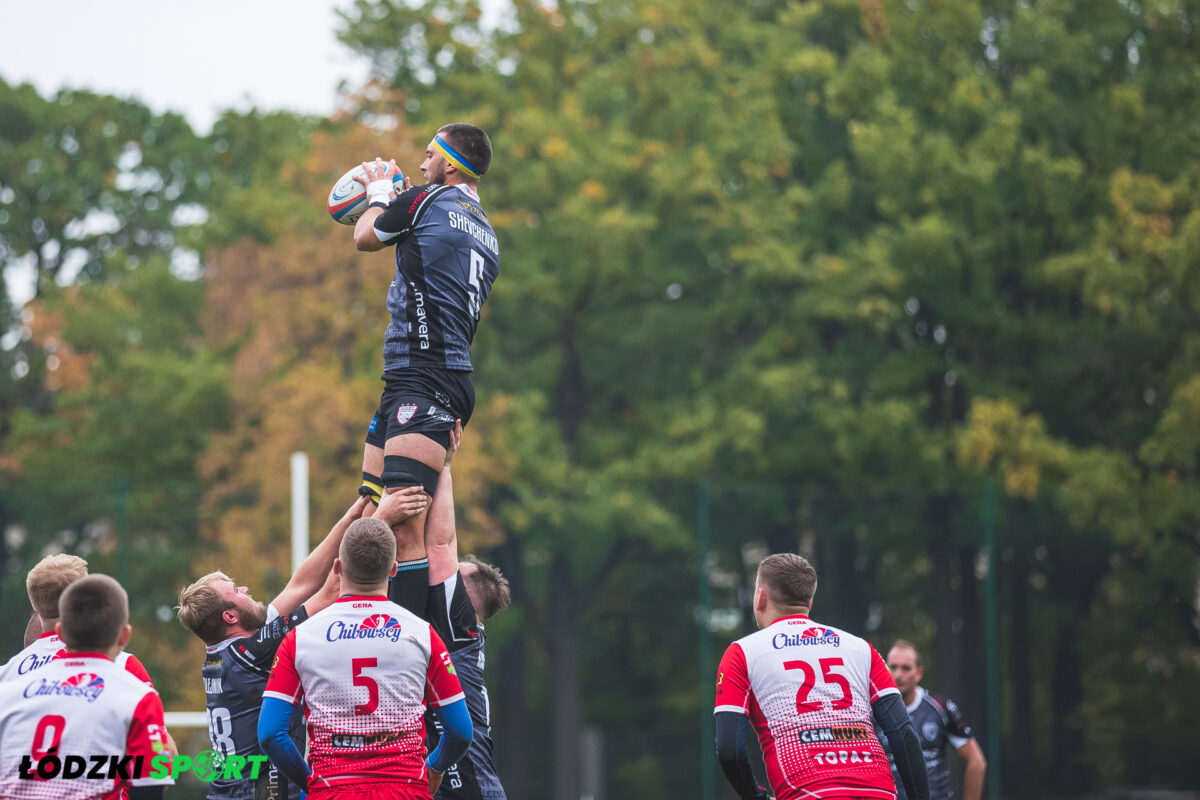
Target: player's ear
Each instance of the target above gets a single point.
(123, 636)
(760, 599)
(337, 567)
(395, 564)
(230, 616)
(58, 629)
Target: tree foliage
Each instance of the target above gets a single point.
(849, 261)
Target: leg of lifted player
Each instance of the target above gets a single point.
(410, 459)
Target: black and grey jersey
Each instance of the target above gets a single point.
(235, 674)
(452, 615)
(447, 258)
(939, 722)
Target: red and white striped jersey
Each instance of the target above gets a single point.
(808, 689)
(48, 646)
(366, 669)
(81, 705)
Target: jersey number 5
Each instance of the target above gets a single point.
(476, 280)
(803, 704)
(357, 665)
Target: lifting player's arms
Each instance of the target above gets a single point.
(811, 692)
(366, 669)
(462, 595)
(446, 260)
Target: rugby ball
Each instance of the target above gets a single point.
(348, 197)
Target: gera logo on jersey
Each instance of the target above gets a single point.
(376, 626)
(86, 685)
(809, 636)
(206, 766)
(838, 733)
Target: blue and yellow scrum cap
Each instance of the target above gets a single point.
(451, 155)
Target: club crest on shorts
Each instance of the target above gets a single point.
(405, 412)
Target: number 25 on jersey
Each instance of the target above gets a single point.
(828, 676)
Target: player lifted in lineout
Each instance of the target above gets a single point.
(447, 259)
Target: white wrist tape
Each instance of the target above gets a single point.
(378, 191)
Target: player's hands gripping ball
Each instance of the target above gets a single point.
(353, 192)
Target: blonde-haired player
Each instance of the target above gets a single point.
(44, 585)
(82, 727)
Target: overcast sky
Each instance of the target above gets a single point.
(196, 58)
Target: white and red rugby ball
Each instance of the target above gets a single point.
(348, 197)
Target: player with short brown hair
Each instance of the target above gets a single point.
(939, 722)
(446, 259)
(811, 692)
(366, 669)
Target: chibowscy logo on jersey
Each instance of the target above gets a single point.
(380, 621)
(930, 731)
(809, 636)
(86, 685)
(376, 626)
(405, 412)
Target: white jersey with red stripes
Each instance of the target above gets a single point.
(81, 705)
(807, 689)
(366, 669)
(48, 646)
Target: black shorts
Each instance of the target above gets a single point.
(422, 400)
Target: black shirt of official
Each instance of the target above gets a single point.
(940, 727)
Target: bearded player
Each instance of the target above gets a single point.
(241, 637)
